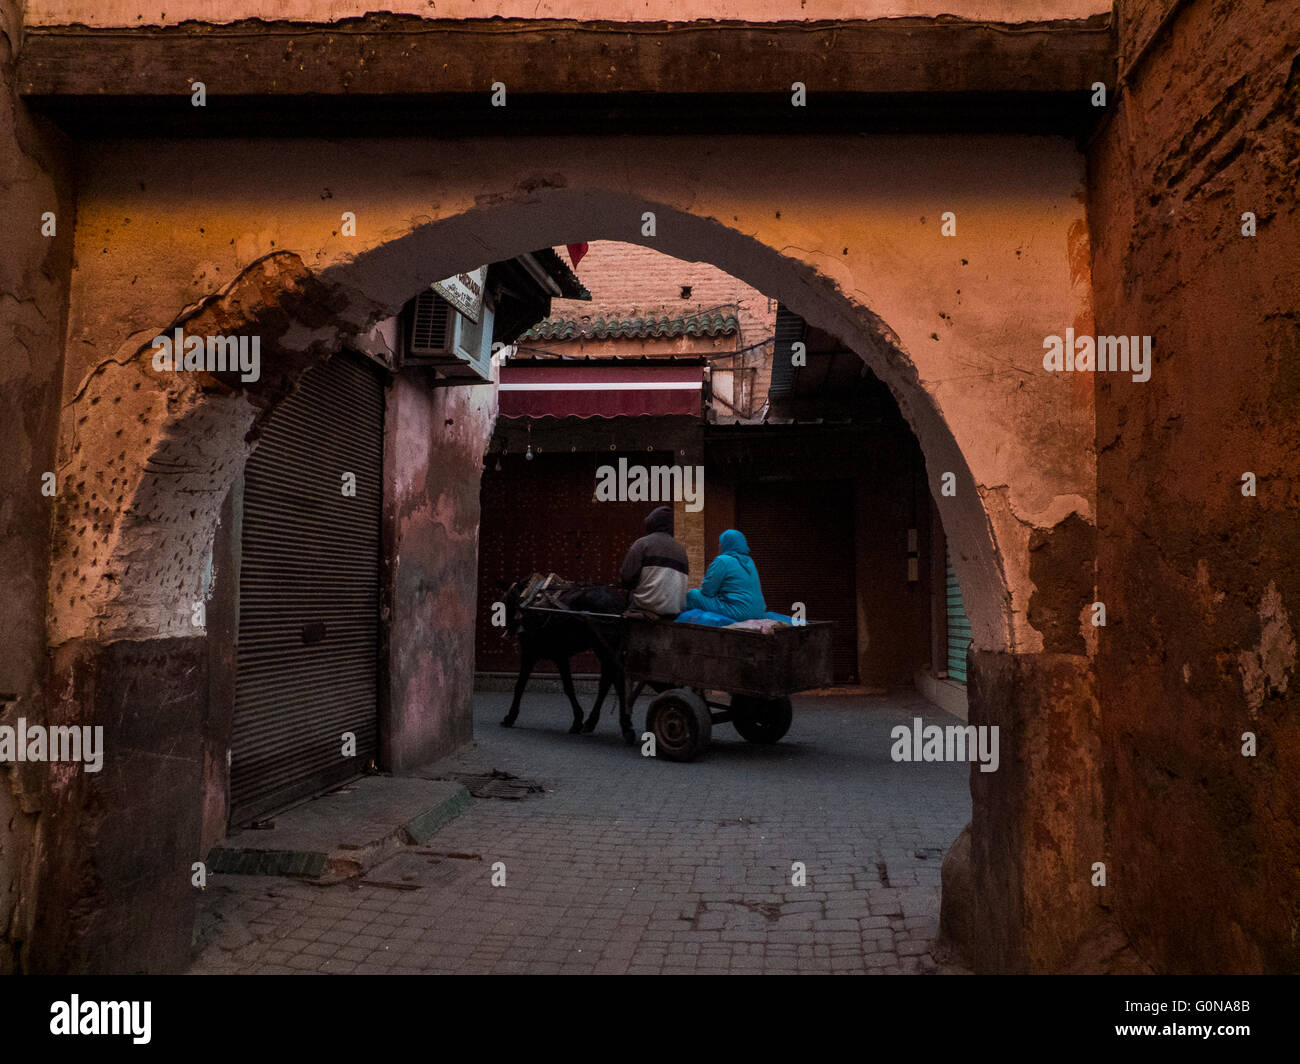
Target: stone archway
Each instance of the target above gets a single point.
(154, 519)
(149, 460)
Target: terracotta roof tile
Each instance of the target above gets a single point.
(650, 327)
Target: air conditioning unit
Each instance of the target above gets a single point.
(439, 336)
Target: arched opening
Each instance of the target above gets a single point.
(770, 425)
(198, 431)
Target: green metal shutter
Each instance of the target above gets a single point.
(309, 592)
(788, 330)
(959, 636)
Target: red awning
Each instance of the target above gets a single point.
(600, 390)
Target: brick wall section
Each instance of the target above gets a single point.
(689, 531)
(628, 279)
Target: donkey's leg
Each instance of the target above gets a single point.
(525, 671)
(625, 700)
(566, 679)
(606, 681)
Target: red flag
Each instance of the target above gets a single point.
(576, 251)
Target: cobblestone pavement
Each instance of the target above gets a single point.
(636, 865)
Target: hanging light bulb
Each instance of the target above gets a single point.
(529, 453)
(498, 466)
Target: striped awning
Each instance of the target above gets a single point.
(600, 390)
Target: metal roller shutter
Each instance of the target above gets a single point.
(800, 536)
(788, 330)
(959, 634)
(309, 592)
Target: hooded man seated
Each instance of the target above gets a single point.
(731, 585)
(656, 569)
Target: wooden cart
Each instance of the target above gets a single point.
(758, 671)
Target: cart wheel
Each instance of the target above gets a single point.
(761, 720)
(681, 724)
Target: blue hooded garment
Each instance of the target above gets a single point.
(731, 585)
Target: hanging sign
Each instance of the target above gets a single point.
(464, 292)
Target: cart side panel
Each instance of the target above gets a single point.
(763, 664)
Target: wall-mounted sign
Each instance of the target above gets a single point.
(464, 292)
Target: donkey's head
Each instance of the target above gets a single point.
(513, 613)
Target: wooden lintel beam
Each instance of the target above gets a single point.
(396, 56)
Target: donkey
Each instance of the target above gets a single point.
(557, 638)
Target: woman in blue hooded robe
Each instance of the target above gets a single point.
(731, 584)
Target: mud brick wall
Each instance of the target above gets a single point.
(1201, 582)
(34, 178)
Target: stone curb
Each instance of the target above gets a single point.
(339, 864)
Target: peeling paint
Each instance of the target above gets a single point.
(1264, 668)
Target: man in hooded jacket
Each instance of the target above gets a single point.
(731, 585)
(656, 568)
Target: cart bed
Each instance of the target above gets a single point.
(737, 660)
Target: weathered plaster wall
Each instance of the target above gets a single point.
(146, 458)
(116, 847)
(222, 615)
(1201, 583)
(170, 12)
(434, 444)
(139, 498)
(1017, 893)
(34, 178)
(953, 324)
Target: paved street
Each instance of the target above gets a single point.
(631, 864)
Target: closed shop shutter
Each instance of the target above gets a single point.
(541, 516)
(788, 330)
(959, 635)
(309, 592)
(800, 536)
